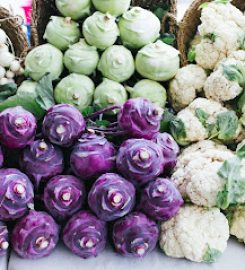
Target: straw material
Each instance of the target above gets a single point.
(43, 9)
(189, 24)
(12, 26)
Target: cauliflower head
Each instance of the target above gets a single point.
(222, 31)
(204, 119)
(237, 223)
(209, 174)
(183, 89)
(228, 81)
(196, 233)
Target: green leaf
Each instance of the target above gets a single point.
(45, 93)
(87, 111)
(222, 1)
(177, 129)
(102, 123)
(7, 90)
(241, 150)
(211, 255)
(227, 124)
(211, 36)
(242, 43)
(241, 102)
(230, 172)
(166, 119)
(160, 10)
(234, 72)
(191, 54)
(202, 116)
(168, 38)
(203, 5)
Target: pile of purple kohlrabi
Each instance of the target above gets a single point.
(123, 166)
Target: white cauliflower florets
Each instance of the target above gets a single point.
(183, 89)
(220, 86)
(197, 234)
(204, 119)
(237, 224)
(196, 172)
(222, 29)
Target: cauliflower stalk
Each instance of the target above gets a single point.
(227, 82)
(222, 32)
(183, 89)
(209, 174)
(204, 119)
(208, 227)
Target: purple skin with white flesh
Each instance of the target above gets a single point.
(64, 195)
(140, 161)
(4, 239)
(111, 197)
(140, 118)
(92, 156)
(135, 235)
(85, 235)
(41, 161)
(35, 236)
(1, 157)
(63, 125)
(18, 128)
(16, 194)
(161, 200)
(170, 150)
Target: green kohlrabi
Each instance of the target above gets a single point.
(76, 90)
(150, 90)
(81, 58)
(62, 32)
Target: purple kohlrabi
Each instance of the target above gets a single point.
(85, 235)
(64, 195)
(170, 150)
(140, 118)
(4, 239)
(140, 161)
(135, 235)
(111, 197)
(1, 157)
(35, 236)
(17, 128)
(63, 125)
(161, 200)
(92, 156)
(16, 194)
(41, 161)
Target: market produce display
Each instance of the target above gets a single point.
(117, 144)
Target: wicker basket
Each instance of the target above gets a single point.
(43, 9)
(188, 26)
(12, 26)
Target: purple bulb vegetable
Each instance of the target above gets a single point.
(140, 161)
(17, 128)
(111, 197)
(41, 161)
(161, 200)
(16, 194)
(85, 235)
(1, 157)
(92, 156)
(63, 125)
(4, 239)
(135, 235)
(170, 150)
(64, 195)
(35, 236)
(140, 118)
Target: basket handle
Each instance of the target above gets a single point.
(172, 18)
(18, 19)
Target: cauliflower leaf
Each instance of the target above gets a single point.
(211, 255)
(241, 150)
(177, 128)
(202, 116)
(234, 72)
(230, 171)
(191, 54)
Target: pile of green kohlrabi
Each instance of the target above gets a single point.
(90, 125)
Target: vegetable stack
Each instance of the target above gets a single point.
(95, 157)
